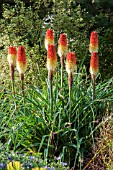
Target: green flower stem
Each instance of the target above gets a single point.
(50, 76)
(13, 91)
(70, 82)
(51, 97)
(12, 77)
(12, 82)
(22, 83)
(22, 86)
(93, 86)
(62, 67)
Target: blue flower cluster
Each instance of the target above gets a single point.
(2, 165)
(28, 162)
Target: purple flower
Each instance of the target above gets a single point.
(48, 168)
(9, 158)
(44, 167)
(58, 158)
(64, 163)
(2, 165)
(31, 157)
(22, 155)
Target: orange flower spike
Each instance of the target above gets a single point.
(62, 45)
(12, 55)
(21, 60)
(49, 38)
(51, 58)
(71, 62)
(94, 64)
(93, 46)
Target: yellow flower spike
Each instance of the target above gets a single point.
(17, 165)
(10, 166)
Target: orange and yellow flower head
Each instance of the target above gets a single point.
(21, 60)
(93, 46)
(12, 53)
(51, 58)
(62, 45)
(49, 38)
(71, 62)
(94, 64)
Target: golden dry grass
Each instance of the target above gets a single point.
(101, 157)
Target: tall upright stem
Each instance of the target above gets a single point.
(22, 86)
(93, 85)
(50, 77)
(62, 67)
(69, 103)
(22, 83)
(12, 77)
(70, 82)
(51, 97)
(12, 81)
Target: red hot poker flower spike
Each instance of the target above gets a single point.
(62, 45)
(71, 62)
(21, 60)
(51, 58)
(93, 46)
(49, 38)
(94, 64)
(12, 55)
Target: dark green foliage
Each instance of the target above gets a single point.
(25, 22)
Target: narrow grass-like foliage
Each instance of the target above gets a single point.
(51, 135)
